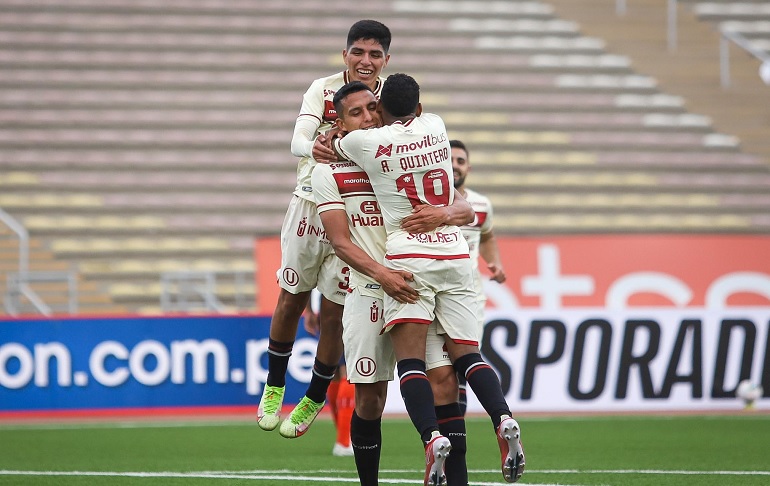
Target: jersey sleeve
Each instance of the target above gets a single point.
(351, 147)
(313, 101)
(487, 226)
(325, 191)
(309, 119)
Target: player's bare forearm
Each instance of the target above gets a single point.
(394, 282)
(322, 151)
(426, 218)
(460, 211)
(490, 253)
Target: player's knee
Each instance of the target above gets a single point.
(370, 401)
(443, 381)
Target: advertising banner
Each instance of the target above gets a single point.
(140, 362)
(621, 322)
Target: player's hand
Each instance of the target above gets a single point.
(395, 283)
(425, 218)
(312, 324)
(322, 150)
(498, 274)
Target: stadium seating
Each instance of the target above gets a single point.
(147, 137)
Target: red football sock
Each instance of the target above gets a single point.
(346, 403)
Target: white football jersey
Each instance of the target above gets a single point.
(346, 186)
(318, 105)
(409, 164)
(482, 224)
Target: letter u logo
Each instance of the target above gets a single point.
(366, 366)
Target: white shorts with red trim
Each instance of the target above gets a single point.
(446, 294)
(307, 258)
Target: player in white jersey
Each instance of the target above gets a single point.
(480, 237)
(353, 222)
(307, 259)
(408, 163)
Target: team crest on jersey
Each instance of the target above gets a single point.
(384, 151)
(366, 366)
(302, 227)
(370, 207)
(375, 312)
(330, 114)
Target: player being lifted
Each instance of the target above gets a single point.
(409, 164)
(307, 259)
(354, 225)
(480, 237)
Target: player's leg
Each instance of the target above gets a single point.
(451, 423)
(303, 253)
(328, 354)
(409, 345)
(407, 325)
(370, 366)
(456, 310)
(366, 430)
(486, 386)
(344, 404)
(462, 384)
(283, 331)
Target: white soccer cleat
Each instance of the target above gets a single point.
(301, 418)
(340, 450)
(269, 411)
(436, 453)
(511, 450)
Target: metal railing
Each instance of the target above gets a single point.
(727, 36)
(724, 52)
(190, 291)
(671, 20)
(19, 293)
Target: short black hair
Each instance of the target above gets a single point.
(369, 29)
(460, 145)
(400, 95)
(343, 92)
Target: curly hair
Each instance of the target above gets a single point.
(400, 95)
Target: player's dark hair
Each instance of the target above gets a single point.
(460, 145)
(369, 29)
(343, 92)
(400, 95)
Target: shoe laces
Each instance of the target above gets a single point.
(306, 409)
(271, 400)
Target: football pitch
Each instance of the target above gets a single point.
(612, 450)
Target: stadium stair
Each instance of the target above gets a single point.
(142, 137)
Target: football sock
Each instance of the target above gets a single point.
(463, 393)
(346, 403)
(451, 424)
(418, 396)
(319, 383)
(485, 385)
(366, 438)
(278, 354)
(331, 397)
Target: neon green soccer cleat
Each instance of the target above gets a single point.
(301, 418)
(269, 411)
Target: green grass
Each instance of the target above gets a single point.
(628, 451)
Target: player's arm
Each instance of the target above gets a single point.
(305, 140)
(426, 218)
(394, 282)
(491, 254)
